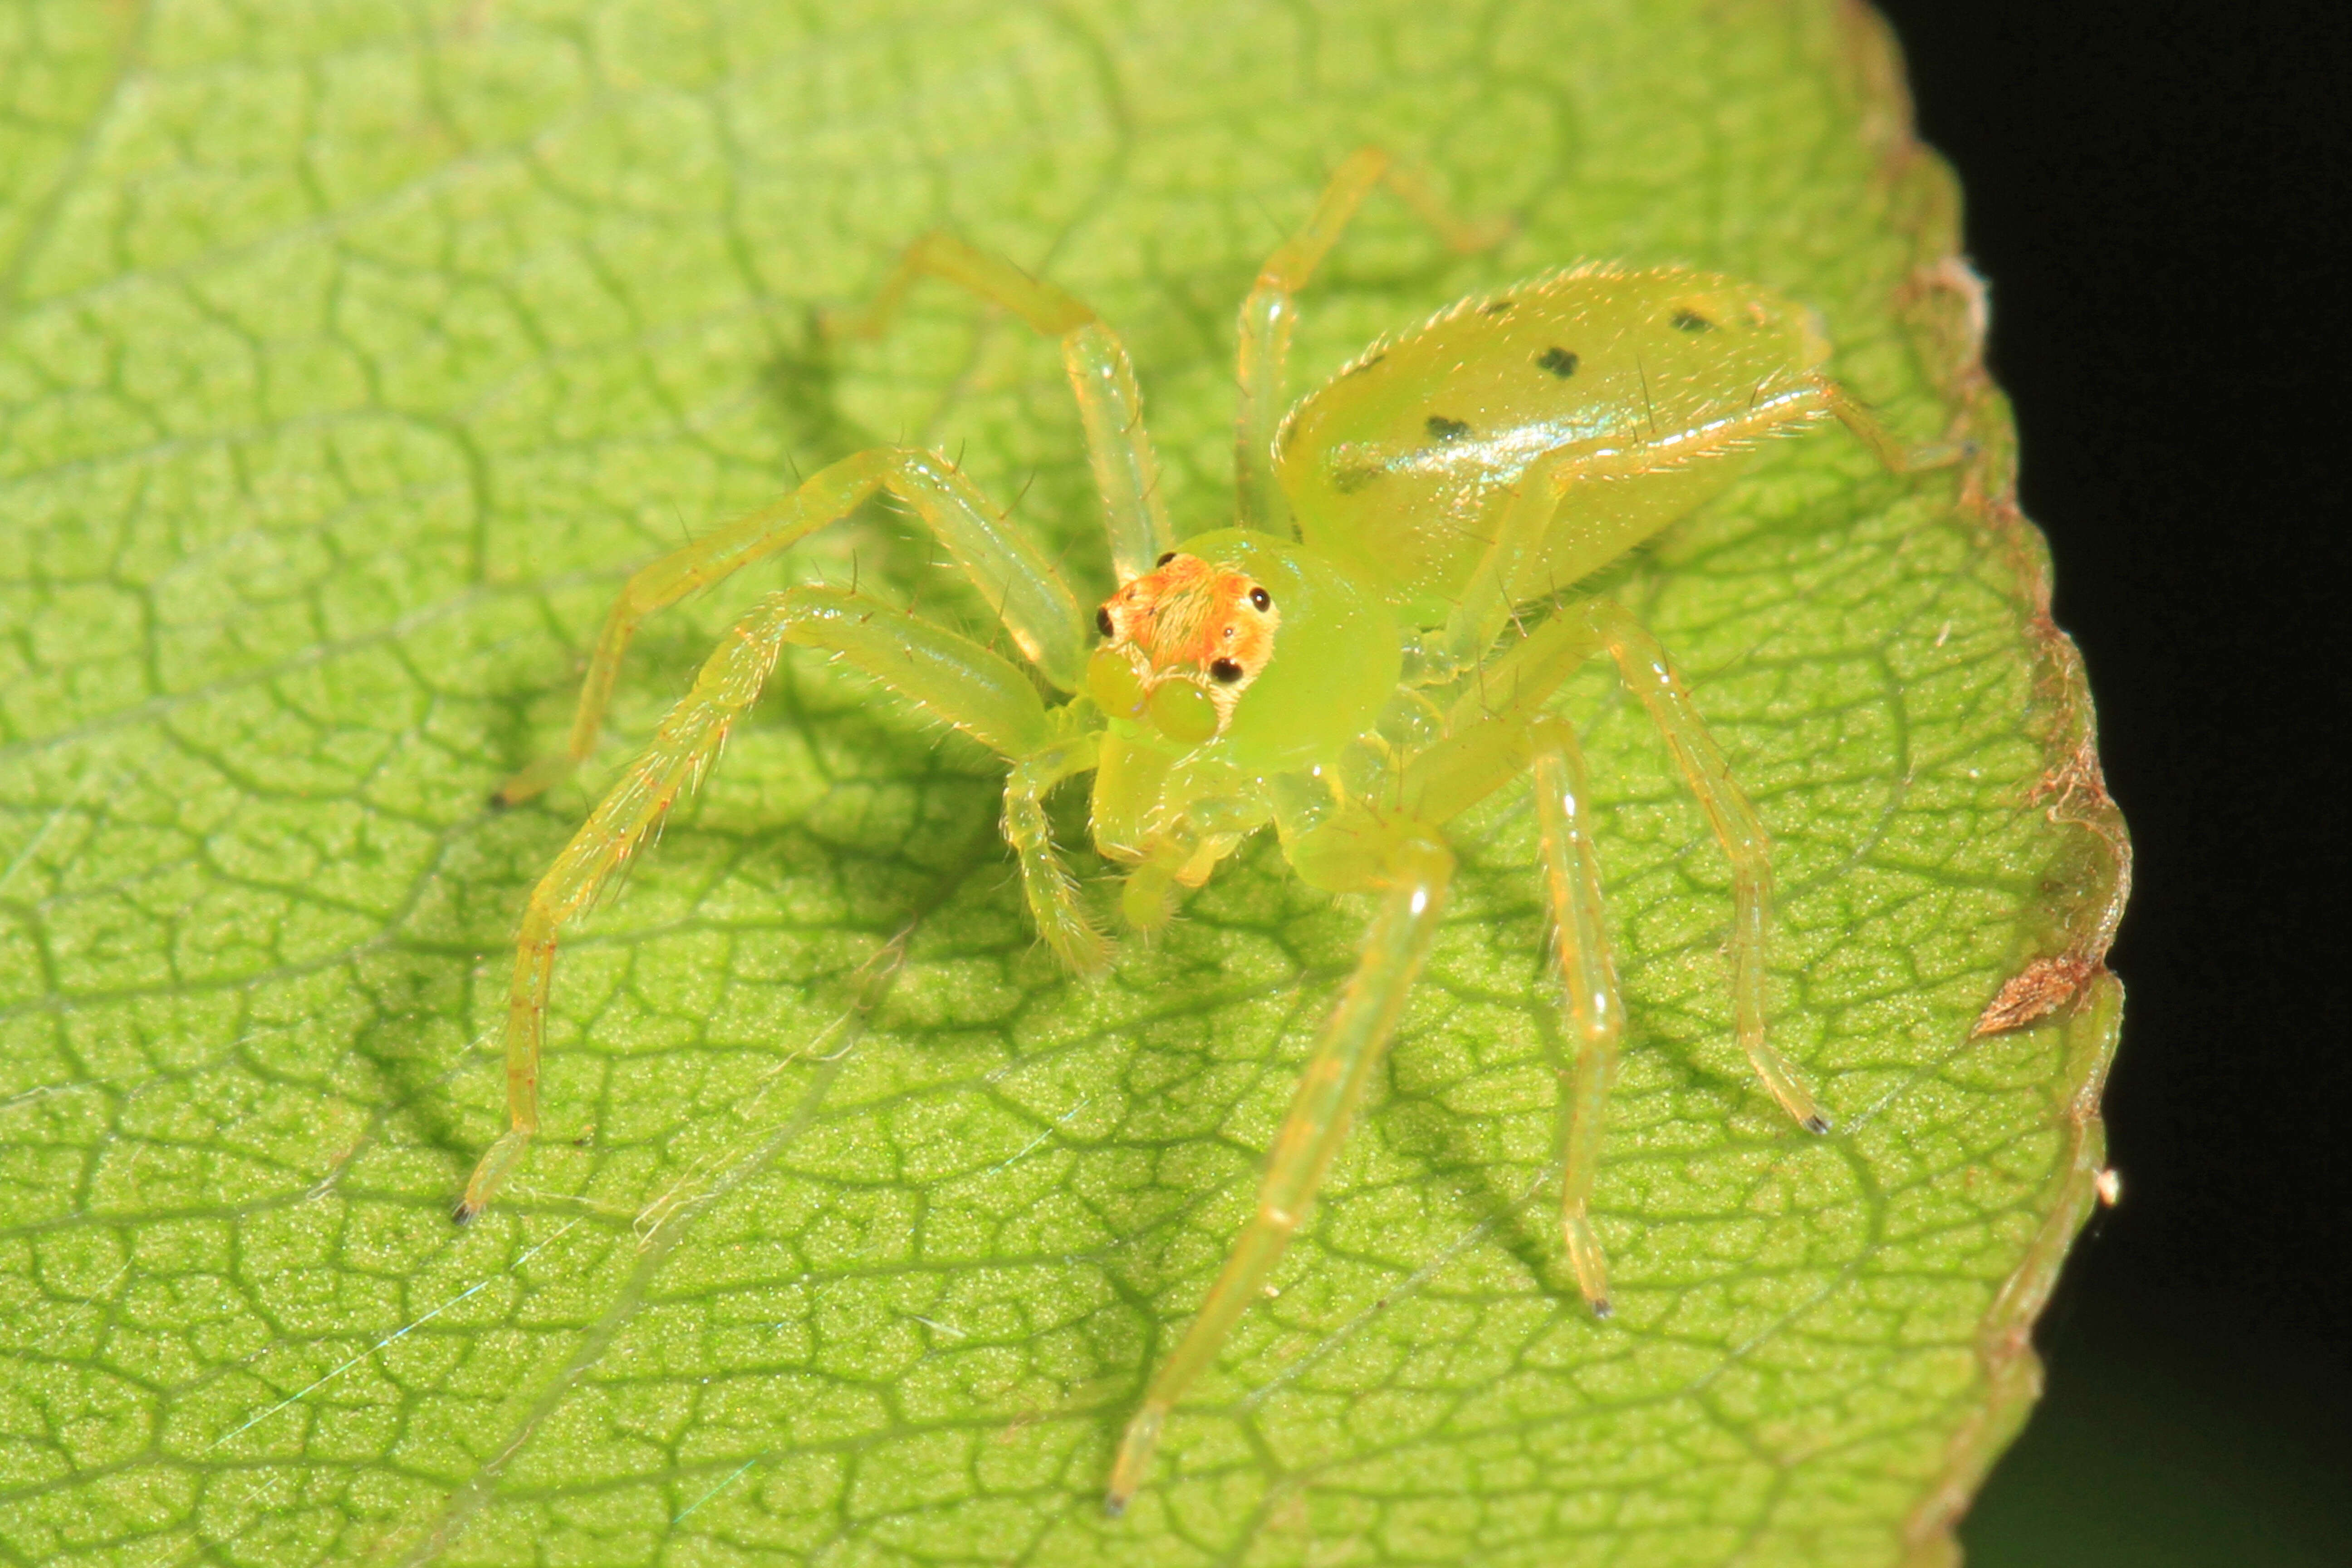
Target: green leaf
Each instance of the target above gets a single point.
(351, 353)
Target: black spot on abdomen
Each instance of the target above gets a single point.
(1441, 428)
(1560, 361)
(1692, 322)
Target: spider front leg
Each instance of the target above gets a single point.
(948, 676)
(1012, 574)
(1110, 404)
(1412, 877)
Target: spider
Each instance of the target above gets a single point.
(1335, 666)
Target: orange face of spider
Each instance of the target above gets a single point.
(1192, 622)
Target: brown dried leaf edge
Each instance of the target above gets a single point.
(2060, 981)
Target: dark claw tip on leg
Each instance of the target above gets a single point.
(463, 1213)
(497, 801)
(1113, 1506)
(1816, 1125)
(1602, 1308)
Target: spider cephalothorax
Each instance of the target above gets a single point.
(1184, 640)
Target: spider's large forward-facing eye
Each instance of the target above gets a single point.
(1103, 622)
(1260, 598)
(1226, 670)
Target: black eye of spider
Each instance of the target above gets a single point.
(1102, 622)
(1226, 670)
(1260, 598)
(1165, 559)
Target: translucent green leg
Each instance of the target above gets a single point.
(1487, 598)
(1479, 757)
(1053, 895)
(1147, 900)
(949, 677)
(1110, 405)
(1414, 885)
(1588, 976)
(1523, 525)
(1495, 732)
(1652, 679)
(1270, 312)
(1520, 682)
(1011, 571)
(1898, 458)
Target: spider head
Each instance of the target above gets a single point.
(1182, 644)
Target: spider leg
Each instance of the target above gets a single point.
(1488, 597)
(1523, 524)
(1412, 878)
(1465, 768)
(949, 677)
(1596, 1010)
(1652, 679)
(1518, 684)
(1053, 894)
(1011, 573)
(1496, 728)
(1110, 405)
(1455, 774)
(1271, 311)
(1898, 458)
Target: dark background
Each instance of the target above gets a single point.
(2156, 193)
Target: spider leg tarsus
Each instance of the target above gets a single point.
(1135, 1447)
